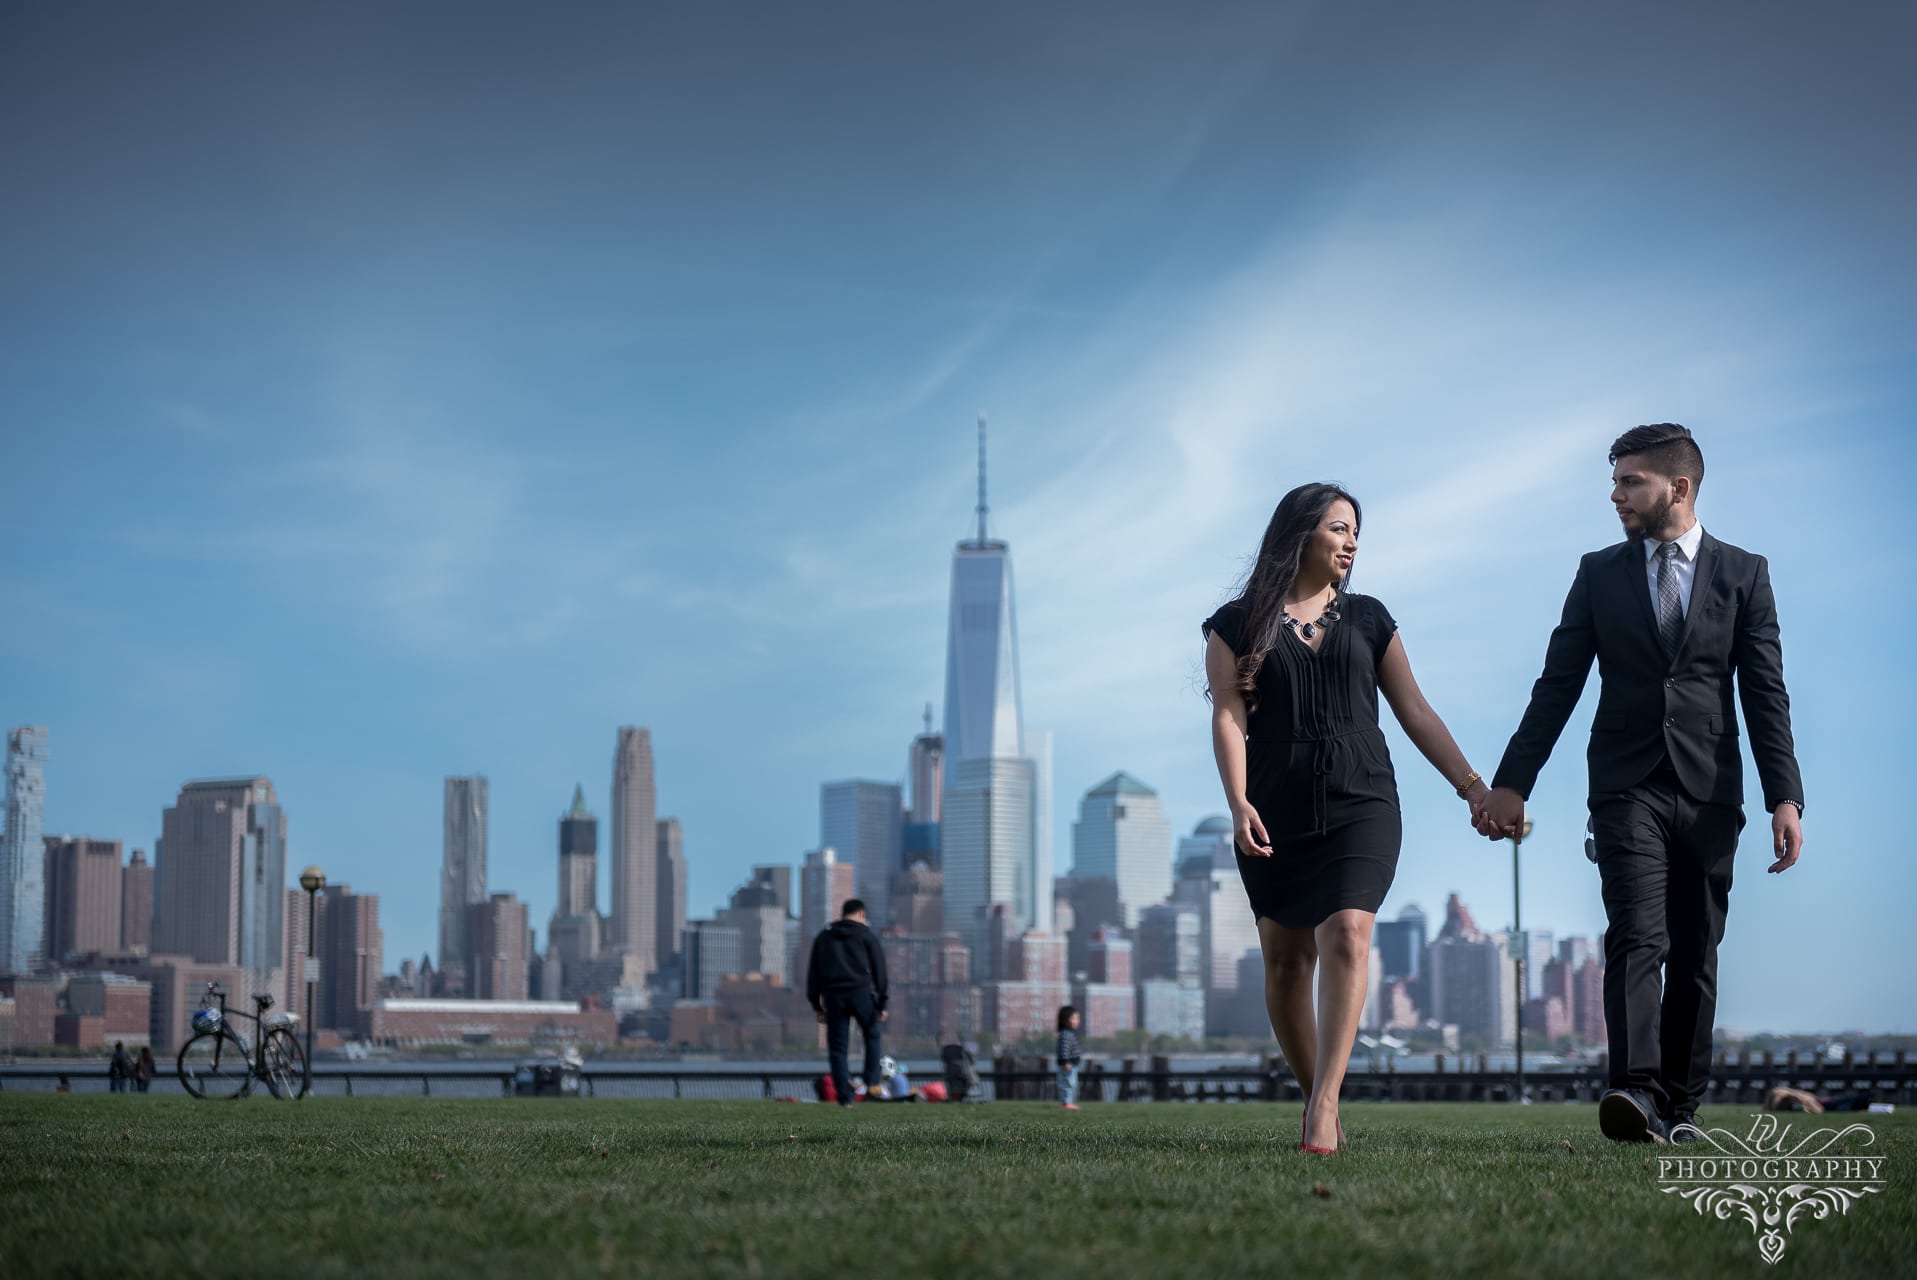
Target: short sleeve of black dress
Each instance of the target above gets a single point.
(1228, 624)
(1380, 626)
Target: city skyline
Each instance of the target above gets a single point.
(454, 468)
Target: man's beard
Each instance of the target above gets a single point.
(1651, 520)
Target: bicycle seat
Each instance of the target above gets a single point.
(264, 1001)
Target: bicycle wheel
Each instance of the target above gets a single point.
(285, 1064)
(214, 1065)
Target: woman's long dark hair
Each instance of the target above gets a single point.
(1298, 516)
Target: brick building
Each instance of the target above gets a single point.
(1105, 1009)
(932, 996)
(36, 1004)
(1027, 1000)
(499, 948)
(1109, 958)
(83, 886)
(122, 1006)
(176, 987)
(749, 1012)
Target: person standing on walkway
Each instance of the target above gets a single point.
(845, 983)
(120, 1069)
(143, 1068)
(1069, 1055)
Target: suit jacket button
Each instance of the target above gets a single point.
(1670, 684)
(1671, 720)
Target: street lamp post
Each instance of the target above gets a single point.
(1517, 930)
(312, 880)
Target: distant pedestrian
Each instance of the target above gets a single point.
(845, 983)
(961, 1072)
(1069, 1054)
(64, 1086)
(144, 1068)
(120, 1069)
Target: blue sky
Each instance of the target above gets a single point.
(390, 392)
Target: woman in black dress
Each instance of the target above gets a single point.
(1294, 667)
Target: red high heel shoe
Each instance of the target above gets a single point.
(1304, 1123)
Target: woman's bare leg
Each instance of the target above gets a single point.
(1290, 955)
(1344, 946)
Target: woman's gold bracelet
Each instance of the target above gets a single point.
(1464, 787)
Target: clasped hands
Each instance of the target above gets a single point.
(1497, 813)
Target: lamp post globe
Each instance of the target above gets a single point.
(313, 879)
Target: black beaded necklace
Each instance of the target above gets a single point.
(1310, 629)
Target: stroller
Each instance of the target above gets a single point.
(961, 1073)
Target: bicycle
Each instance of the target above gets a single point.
(216, 1061)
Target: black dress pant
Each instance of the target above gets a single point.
(842, 1009)
(1665, 862)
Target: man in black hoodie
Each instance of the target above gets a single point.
(846, 981)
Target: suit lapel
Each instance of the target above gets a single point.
(1638, 583)
(1700, 585)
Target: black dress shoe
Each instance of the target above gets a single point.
(1625, 1115)
(1683, 1128)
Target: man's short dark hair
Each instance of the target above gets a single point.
(853, 907)
(1666, 448)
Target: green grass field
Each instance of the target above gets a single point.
(159, 1186)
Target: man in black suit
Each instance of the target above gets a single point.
(1670, 615)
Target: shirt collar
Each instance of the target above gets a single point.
(1687, 543)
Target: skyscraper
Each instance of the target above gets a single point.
(864, 822)
(919, 836)
(351, 950)
(578, 858)
(671, 903)
(755, 912)
(1539, 948)
(1170, 943)
(1208, 879)
(136, 904)
(633, 924)
(776, 877)
(23, 853)
(573, 932)
(1401, 944)
(462, 875)
(1471, 979)
(1121, 835)
(925, 767)
(918, 900)
(499, 940)
(1038, 874)
(83, 883)
(824, 885)
(221, 879)
(991, 843)
(711, 951)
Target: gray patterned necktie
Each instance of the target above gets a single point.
(1670, 600)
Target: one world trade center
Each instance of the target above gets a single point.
(996, 837)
